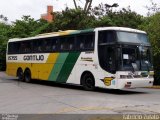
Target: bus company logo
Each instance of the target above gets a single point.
(33, 58)
(12, 57)
(107, 81)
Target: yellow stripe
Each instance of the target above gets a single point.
(38, 70)
(45, 69)
(66, 32)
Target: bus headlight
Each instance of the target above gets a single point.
(151, 73)
(126, 76)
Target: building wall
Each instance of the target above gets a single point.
(48, 16)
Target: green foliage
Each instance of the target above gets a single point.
(20, 28)
(152, 26)
(72, 19)
(26, 27)
(123, 18)
(4, 33)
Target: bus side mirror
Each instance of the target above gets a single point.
(147, 64)
(135, 67)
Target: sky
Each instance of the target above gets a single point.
(15, 9)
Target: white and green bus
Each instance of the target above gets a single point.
(107, 57)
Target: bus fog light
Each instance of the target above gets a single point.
(151, 73)
(128, 84)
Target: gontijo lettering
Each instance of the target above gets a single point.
(33, 58)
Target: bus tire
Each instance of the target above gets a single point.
(20, 74)
(27, 76)
(88, 81)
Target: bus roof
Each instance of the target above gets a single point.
(69, 32)
(120, 29)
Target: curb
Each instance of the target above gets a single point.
(154, 87)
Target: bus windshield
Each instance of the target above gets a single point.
(131, 37)
(135, 58)
(124, 51)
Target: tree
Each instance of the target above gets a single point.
(4, 33)
(152, 26)
(2, 17)
(87, 5)
(123, 18)
(154, 8)
(72, 19)
(27, 27)
(20, 28)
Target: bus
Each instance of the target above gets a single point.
(106, 57)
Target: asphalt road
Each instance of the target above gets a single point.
(41, 97)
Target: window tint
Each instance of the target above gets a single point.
(85, 42)
(107, 58)
(13, 47)
(54, 45)
(47, 45)
(25, 47)
(106, 37)
(132, 37)
(37, 45)
(67, 43)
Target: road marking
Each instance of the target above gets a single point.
(86, 108)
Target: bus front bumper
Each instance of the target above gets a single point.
(135, 83)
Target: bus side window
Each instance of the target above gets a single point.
(85, 42)
(70, 41)
(47, 45)
(54, 46)
(66, 43)
(107, 58)
(27, 47)
(37, 46)
(22, 46)
(62, 43)
(106, 37)
(10, 48)
(14, 47)
(89, 41)
(34, 46)
(40, 45)
(80, 42)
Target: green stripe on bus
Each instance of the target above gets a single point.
(81, 31)
(58, 66)
(67, 67)
(75, 32)
(87, 30)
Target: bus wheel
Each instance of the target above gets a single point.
(88, 81)
(20, 74)
(27, 76)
